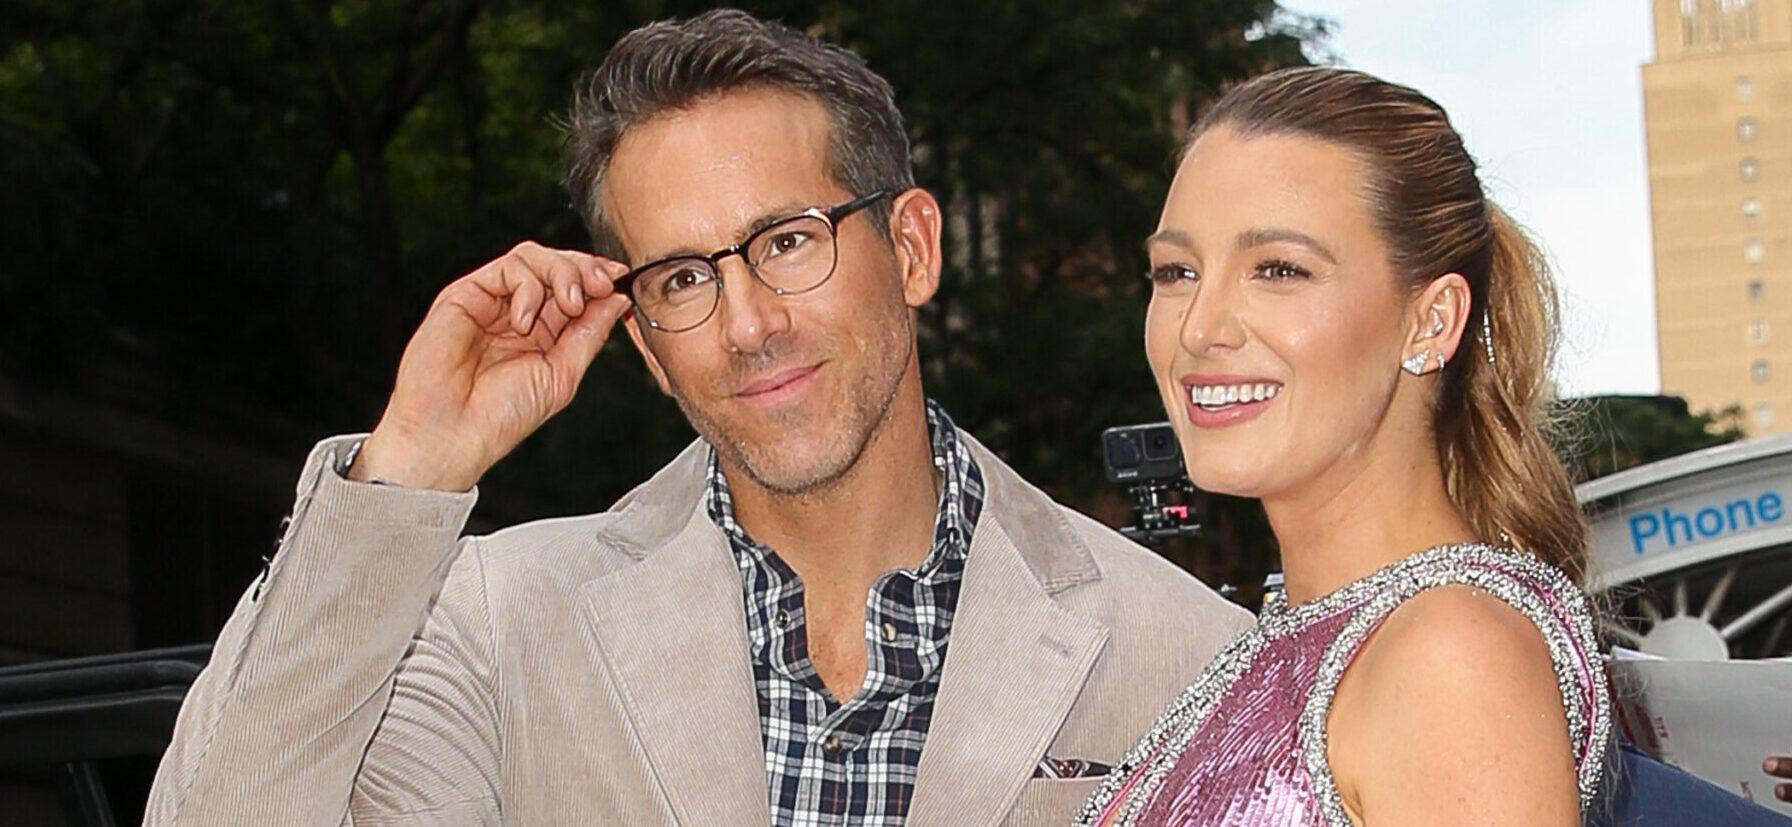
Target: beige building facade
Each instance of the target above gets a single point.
(1718, 113)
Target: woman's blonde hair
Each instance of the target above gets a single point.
(1492, 415)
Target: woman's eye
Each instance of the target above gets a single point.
(1173, 273)
(1281, 271)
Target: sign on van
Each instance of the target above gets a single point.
(1675, 524)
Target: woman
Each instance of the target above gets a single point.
(1343, 326)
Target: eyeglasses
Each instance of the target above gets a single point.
(792, 256)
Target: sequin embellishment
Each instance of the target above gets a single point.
(1246, 743)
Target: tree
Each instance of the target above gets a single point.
(244, 207)
(1604, 434)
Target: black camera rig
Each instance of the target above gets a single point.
(1148, 459)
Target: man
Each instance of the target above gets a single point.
(760, 632)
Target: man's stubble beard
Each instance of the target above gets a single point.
(860, 418)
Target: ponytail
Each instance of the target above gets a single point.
(1493, 422)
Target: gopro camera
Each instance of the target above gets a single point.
(1142, 453)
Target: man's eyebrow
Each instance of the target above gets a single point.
(1270, 235)
(762, 221)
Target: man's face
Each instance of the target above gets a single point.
(789, 389)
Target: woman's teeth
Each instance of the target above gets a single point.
(1219, 396)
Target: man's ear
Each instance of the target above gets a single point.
(915, 231)
(633, 323)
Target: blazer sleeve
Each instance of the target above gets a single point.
(341, 644)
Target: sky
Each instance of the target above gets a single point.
(1548, 97)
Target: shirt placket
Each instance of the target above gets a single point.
(833, 759)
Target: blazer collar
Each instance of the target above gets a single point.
(1036, 527)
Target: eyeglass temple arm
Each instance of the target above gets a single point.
(836, 214)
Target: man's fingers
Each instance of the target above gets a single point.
(569, 288)
(525, 302)
(553, 318)
(534, 284)
(1779, 765)
(1782, 792)
(563, 271)
(600, 280)
(584, 337)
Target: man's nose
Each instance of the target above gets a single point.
(751, 313)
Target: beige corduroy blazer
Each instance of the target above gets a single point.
(594, 669)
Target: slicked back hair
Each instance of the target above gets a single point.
(674, 64)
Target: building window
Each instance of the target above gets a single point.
(1754, 251)
(1756, 290)
(1751, 169)
(1763, 414)
(1751, 207)
(1745, 88)
(1759, 371)
(1745, 129)
(1758, 331)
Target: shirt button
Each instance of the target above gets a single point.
(832, 746)
(781, 619)
(889, 632)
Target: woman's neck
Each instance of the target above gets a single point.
(1362, 514)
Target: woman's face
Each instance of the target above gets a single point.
(1277, 325)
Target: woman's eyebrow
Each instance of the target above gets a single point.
(1170, 235)
(1270, 235)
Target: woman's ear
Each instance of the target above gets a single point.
(1436, 317)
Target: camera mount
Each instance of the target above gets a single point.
(1148, 459)
(1163, 512)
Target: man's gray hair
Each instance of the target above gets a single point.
(673, 64)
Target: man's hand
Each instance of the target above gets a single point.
(501, 350)
(1780, 766)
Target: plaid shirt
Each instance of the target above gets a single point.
(854, 763)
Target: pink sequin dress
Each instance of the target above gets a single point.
(1246, 744)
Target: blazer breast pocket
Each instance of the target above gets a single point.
(1051, 801)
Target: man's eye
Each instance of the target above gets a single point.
(785, 242)
(685, 279)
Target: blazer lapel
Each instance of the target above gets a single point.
(671, 631)
(1014, 668)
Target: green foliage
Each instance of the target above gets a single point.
(1606, 434)
(232, 213)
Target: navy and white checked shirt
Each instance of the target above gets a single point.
(854, 763)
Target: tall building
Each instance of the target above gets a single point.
(1718, 108)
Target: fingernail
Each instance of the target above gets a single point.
(1771, 765)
